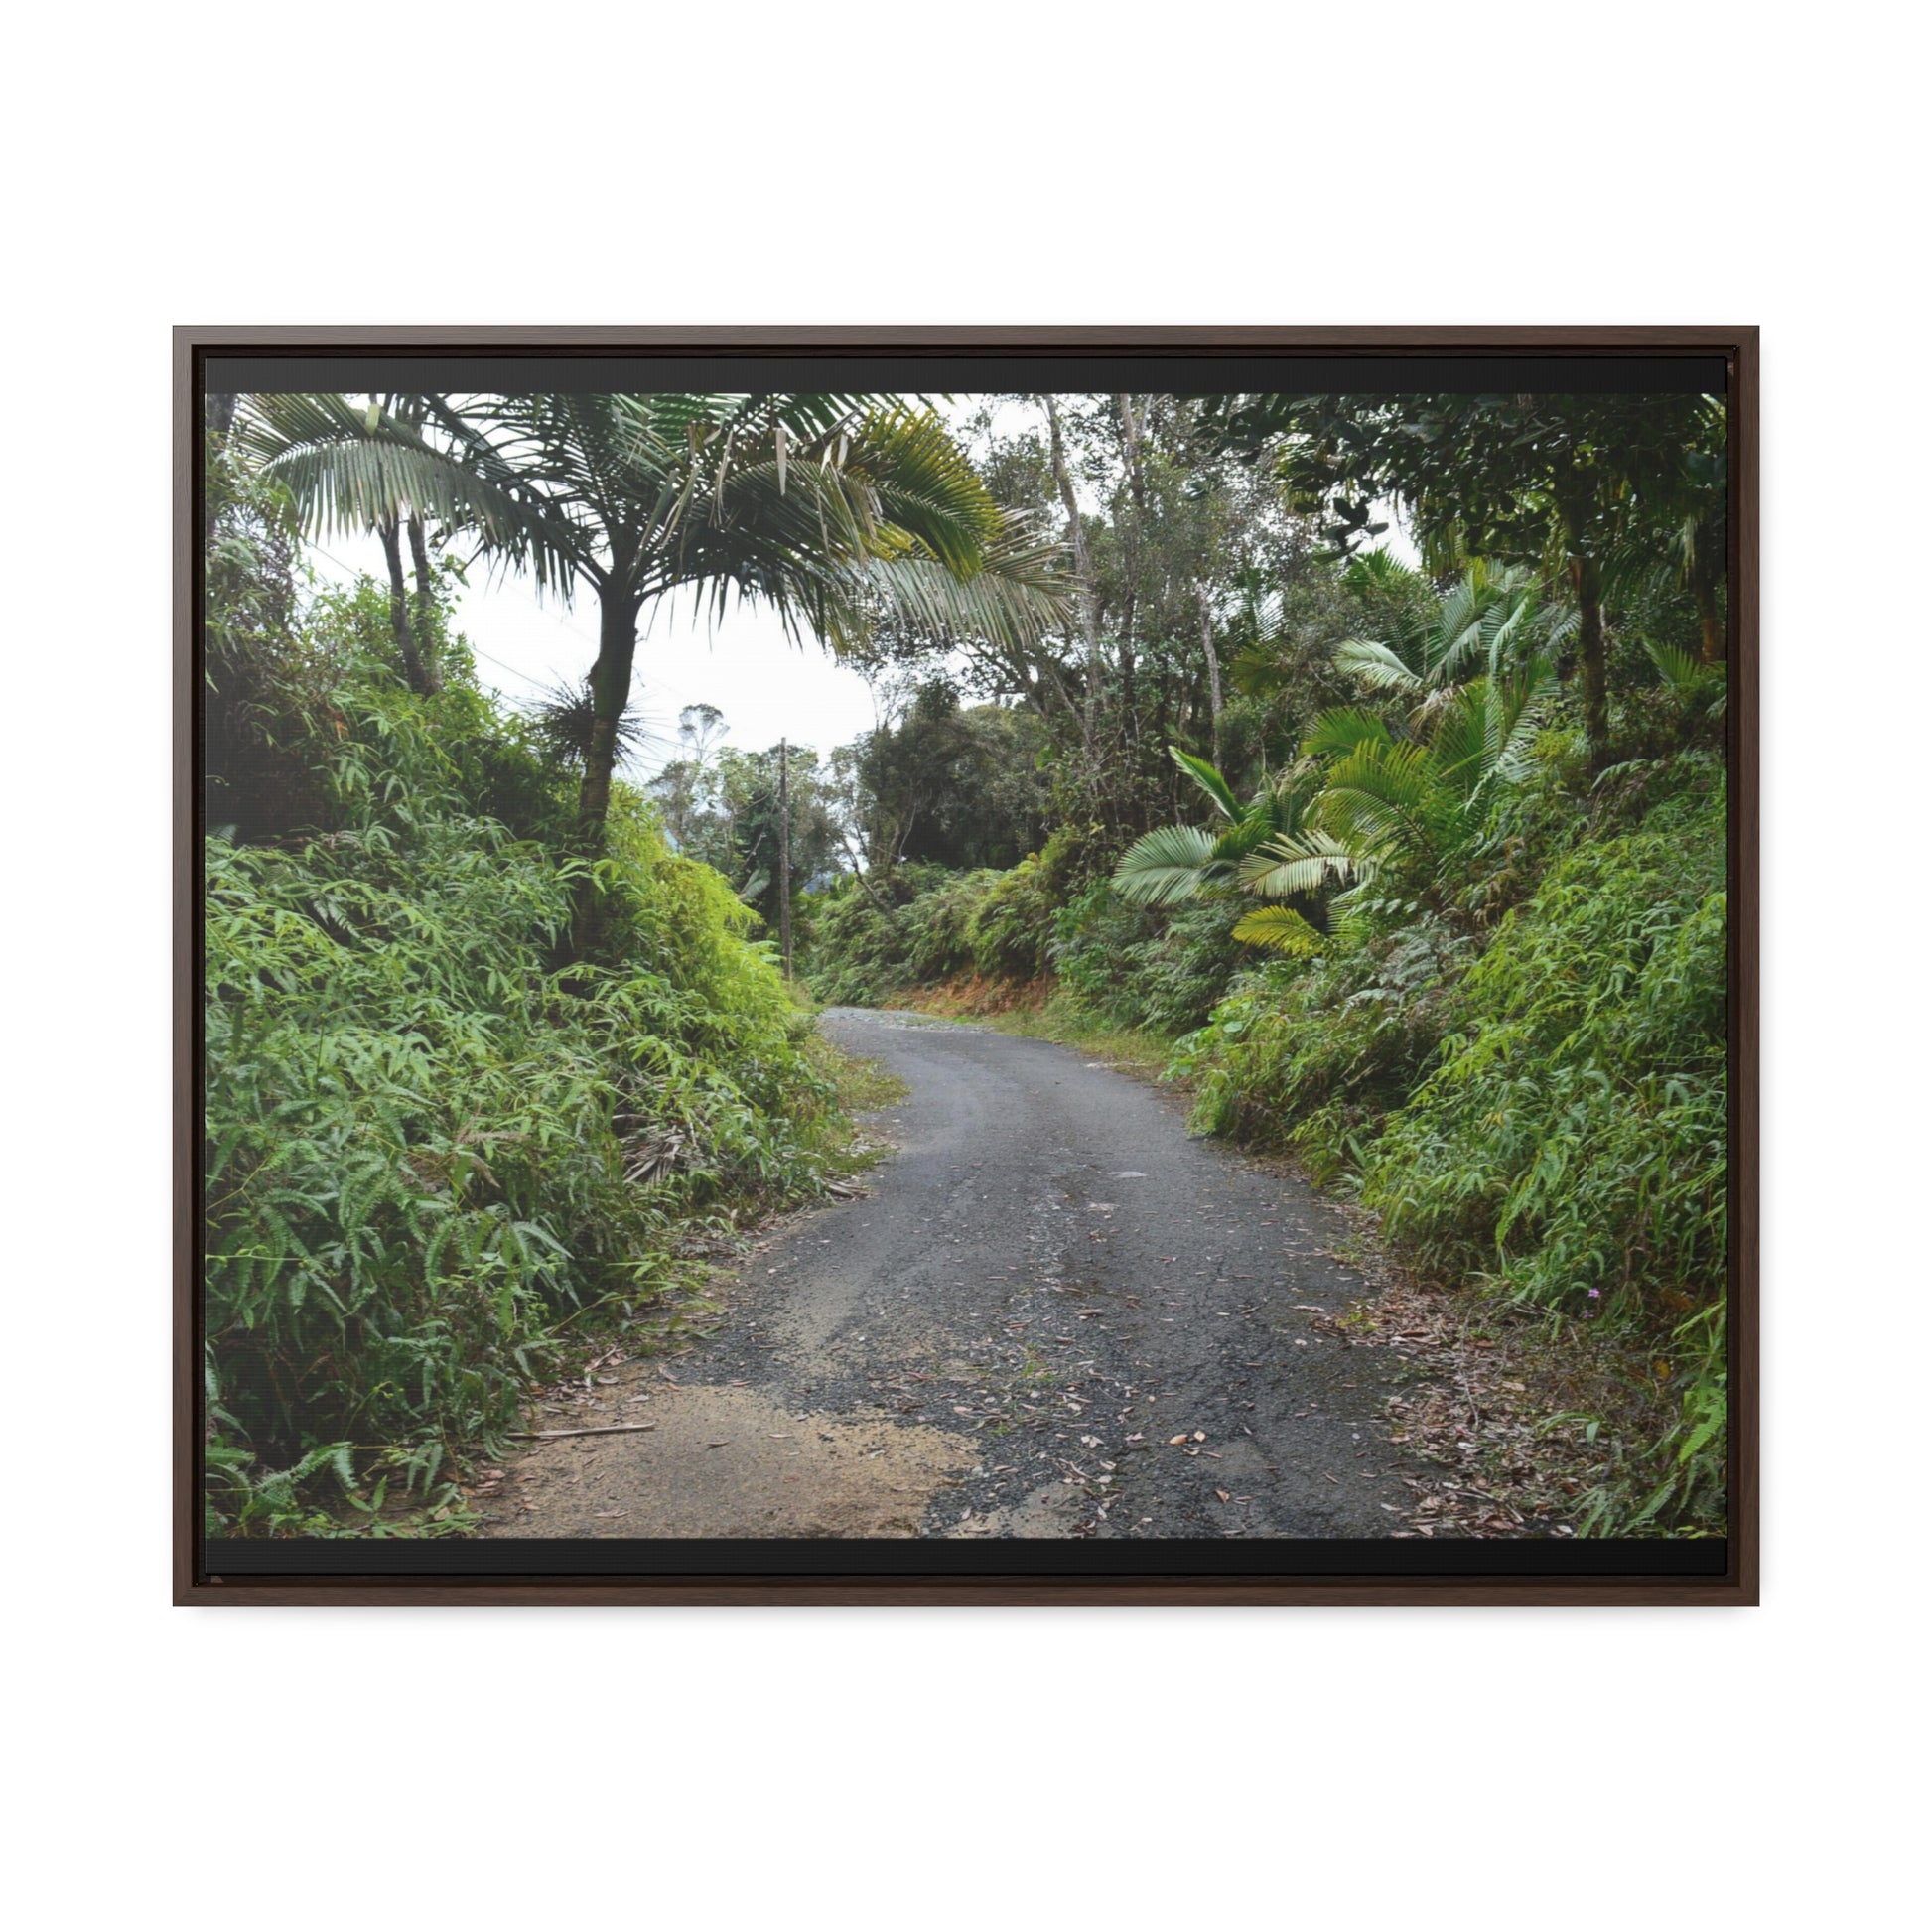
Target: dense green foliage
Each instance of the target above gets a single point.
(434, 1139)
(949, 784)
(1418, 872)
(1446, 920)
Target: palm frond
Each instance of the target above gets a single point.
(1377, 665)
(1342, 730)
(1682, 672)
(1016, 596)
(1381, 794)
(351, 468)
(1284, 867)
(1166, 866)
(1217, 788)
(1280, 928)
(926, 486)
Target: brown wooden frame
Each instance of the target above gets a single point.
(1738, 346)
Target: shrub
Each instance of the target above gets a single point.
(1142, 966)
(428, 1138)
(1572, 1136)
(1311, 1054)
(1532, 1096)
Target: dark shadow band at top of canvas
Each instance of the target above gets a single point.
(494, 372)
(237, 1557)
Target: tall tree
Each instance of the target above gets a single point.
(1559, 482)
(828, 509)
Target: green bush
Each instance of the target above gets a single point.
(935, 923)
(1571, 1142)
(1012, 924)
(429, 1139)
(1572, 1136)
(1162, 969)
(1533, 1097)
(1312, 1054)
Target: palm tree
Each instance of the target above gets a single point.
(1387, 802)
(346, 476)
(1367, 798)
(1175, 863)
(832, 509)
(1489, 621)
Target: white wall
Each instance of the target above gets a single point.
(1400, 163)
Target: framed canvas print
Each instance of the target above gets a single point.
(1096, 965)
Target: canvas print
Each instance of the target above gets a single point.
(964, 967)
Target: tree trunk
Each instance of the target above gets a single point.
(425, 606)
(1083, 570)
(617, 648)
(1592, 666)
(616, 651)
(784, 852)
(1131, 532)
(217, 418)
(1213, 668)
(412, 664)
(859, 873)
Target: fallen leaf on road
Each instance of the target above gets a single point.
(1224, 1494)
(1174, 1442)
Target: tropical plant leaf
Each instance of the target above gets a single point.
(1376, 665)
(1166, 866)
(1280, 928)
(1682, 672)
(1284, 867)
(1217, 788)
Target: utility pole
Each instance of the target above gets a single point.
(784, 852)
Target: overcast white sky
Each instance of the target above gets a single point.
(766, 687)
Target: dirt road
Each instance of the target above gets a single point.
(1055, 1314)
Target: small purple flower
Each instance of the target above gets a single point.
(1593, 1294)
